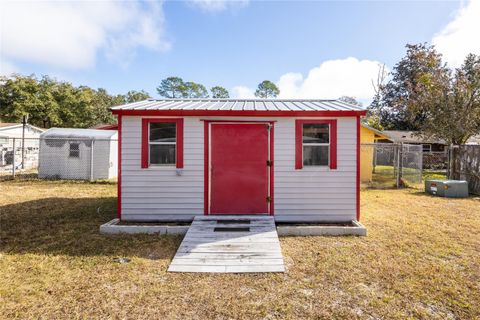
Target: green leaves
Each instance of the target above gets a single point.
(175, 87)
(50, 103)
(423, 94)
(267, 89)
(172, 87)
(219, 92)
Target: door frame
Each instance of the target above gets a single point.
(207, 160)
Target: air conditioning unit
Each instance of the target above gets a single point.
(447, 188)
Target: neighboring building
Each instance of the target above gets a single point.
(10, 132)
(368, 136)
(104, 126)
(84, 154)
(297, 160)
(412, 137)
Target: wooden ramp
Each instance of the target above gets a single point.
(233, 244)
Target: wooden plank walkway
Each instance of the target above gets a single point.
(235, 244)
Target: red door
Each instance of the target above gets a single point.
(238, 168)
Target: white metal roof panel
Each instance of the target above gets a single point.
(241, 105)
(78, 133)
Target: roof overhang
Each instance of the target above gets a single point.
(241, 113)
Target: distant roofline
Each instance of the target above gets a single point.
(14, 125)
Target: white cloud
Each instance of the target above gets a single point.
(218, 5)
(71, 34)
(461, 36)
(242, 92)
(331, 80)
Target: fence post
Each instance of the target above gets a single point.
(399, 164)
(13, 159)
(450, 162)
(91, 159)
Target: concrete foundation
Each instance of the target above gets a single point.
(357, 229)
(112, 227)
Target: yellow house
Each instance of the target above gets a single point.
(368, 135)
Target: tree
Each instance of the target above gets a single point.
(22, 95)
(451, 102)
(267, 89)
(394, 104)
(195, 90)
(350, 100)
(219, 92)
(172, 87)
(134, 96)
(424, 95)
(49, 102)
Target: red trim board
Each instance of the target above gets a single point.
(179, 147)
(358, 169)
(119, 168)
(206, 195)
(272, 194)
(299, 141)
(238, 113)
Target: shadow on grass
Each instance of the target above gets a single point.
(71, 227)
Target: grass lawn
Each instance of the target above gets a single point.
(420, 260)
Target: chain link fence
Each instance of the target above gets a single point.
(387, 165)
(58, 158)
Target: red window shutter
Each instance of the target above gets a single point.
(179, 143)
(145, 143)
(179, 133)
(299, 142)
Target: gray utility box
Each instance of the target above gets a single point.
(447, 188)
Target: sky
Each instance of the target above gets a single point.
(310, 49)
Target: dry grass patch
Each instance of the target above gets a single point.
(420, 260)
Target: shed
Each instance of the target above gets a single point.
(83, 154)
(296, 160)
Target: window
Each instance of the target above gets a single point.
(74, 151)
(3, 140)
(316, 143)
(162, 142)
(427, 147)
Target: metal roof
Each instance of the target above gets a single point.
(410, 137)
(241, 105)
(78, 133)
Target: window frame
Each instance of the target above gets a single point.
(426, 145)
(70, 149)
(332, 157)
(145, 161)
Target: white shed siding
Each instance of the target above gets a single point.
(308, 194)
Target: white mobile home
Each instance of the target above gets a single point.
(297, 160)
(83, 154)
(11, 145)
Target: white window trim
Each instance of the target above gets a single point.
(313, 144)
(162, 143)
(70, 150)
